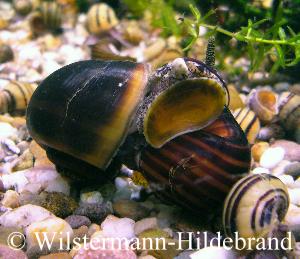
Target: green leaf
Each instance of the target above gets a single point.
(281, 33)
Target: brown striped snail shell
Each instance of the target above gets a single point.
(289, 114)
(264, 103)
(100, 18)
(15, 96)
(255, 206)
(199, 167)
(47, 17)
(249, 122)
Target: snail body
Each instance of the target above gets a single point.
(112, 111)
(15, 96)
(255, 206)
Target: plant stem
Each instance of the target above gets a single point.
(247, 38)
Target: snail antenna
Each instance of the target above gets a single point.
(210, 52)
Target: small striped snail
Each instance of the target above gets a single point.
(48, 16)
(255, 207)
(249, 122)
(101, 18)
(15, 96)
(173, 124)
(289, 114)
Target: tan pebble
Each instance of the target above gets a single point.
(11, 199)
(43, 162)
(18, 122)
(56, 229)
(37, 150)
(75, 249)
(25, 161)
(258, 149)
(93, 228)
(81, 232)
(56, 256)
(5, 232)
(144, 224)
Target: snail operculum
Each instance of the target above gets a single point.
(186, 96)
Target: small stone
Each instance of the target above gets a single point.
(95, 212)
(260, 170)
(81, 232)
(23, 162)
(58, 203)
(91, 197)
(109, 252)
(93, 228)
(271, 157)
(56, 256)
(166, 248)
(293, 169)
(37, 150)
(280, 168)
(11, 199)
(8, 253)
(55, 229)
(118, 227)
(292, 219)
(258, 149)
(130, 209)
(145, 224)
(6, 130)
(287, 180)
(184, 255)
(294, 196)
(292, 149)
(281, 86)
(213, 252)
(24, 216)
(76, 221)
(6, 231)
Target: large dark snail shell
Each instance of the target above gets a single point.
(199, 167)
(87, 115)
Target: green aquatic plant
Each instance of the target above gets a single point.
(278, 41)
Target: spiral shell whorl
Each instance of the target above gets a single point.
(255, 206)
(185, 170)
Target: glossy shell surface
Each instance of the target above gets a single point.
(255, 206)
(197, 170)
(86, 109)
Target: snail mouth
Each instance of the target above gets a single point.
(186, 106)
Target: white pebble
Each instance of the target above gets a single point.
(91, 197)
(6, 130)
(294, 196)
(121, 183)
(24, 216)
(280, 168)
(213, 252)
(260, 170)
(118, 227)
(271, 157)
(287, 180)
